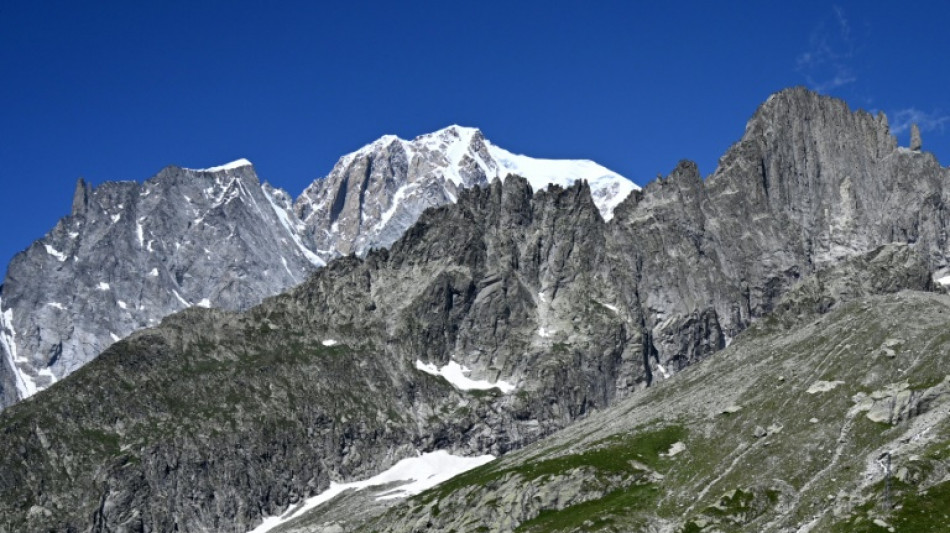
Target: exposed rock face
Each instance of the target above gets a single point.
(130, 254)
(809, 184)
(915, 142)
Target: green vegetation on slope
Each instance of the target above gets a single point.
(780, 430)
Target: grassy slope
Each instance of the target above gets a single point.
(815, 463)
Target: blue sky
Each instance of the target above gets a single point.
(117, 90)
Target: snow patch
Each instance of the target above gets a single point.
(284, 218)
(180, 299)
(57, 305)
(122, 304)
(612, 308)
(206, 303)
(55, 253)
(676, 449)
(662, 369)
(25, 386)
(153, 273)
(48, 373)
(139, 232)
(416, 474)
(330, 342)
(115, 338)
(608, 188)
(455, 374)
(542, 332)
(401, 193)
(283, 261)
(116, 218)
(945, 281)
(227, 166)
(103, 286)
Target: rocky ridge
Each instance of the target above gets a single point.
(130, 254)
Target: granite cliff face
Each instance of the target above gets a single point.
(130, 254)
(809, 184)
(213, 419)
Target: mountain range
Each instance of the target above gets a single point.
(764, 349)
(130, 253)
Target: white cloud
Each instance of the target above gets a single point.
(825, 65)
(901, 120)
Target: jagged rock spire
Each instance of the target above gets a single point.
(80, 196)
(915, 141)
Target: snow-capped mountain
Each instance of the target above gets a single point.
(374, 194)
(132, 253)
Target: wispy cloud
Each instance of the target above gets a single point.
(826, 63)
(901, 120)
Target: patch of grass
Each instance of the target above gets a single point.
(615, 454)
(925, 512)
(859, 523)
(611, 456)
(493, 392)
(925, 383)
(594, 515)
(107, 442)
(560, 348)
(730, 504)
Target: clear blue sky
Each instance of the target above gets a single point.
(117, 90)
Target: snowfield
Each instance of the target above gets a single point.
(456, 374)
(416, 474)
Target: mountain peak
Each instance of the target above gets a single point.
(374, 194)
(451, 132)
